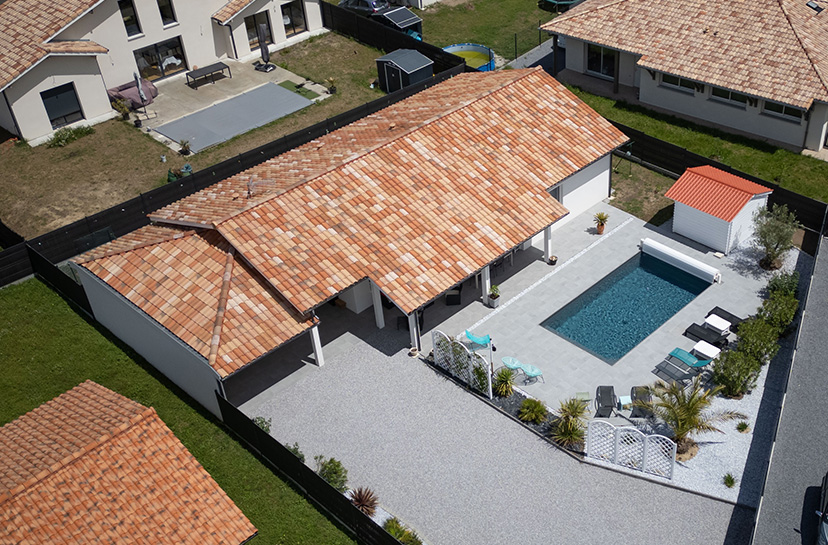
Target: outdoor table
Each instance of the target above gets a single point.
(706, 350)
(624, 401)
(717, 324)
(211, 70)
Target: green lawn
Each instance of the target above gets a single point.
(793, 171)
(493, 23)
(46, 349)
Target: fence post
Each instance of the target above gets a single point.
(515, 45)
(616, 442)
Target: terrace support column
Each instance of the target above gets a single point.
(487, 283)
(616, 80)
(547, 243)
(376, 298)
(317, 346)
(414, 329)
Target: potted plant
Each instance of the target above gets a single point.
(601, 219)
(185, 147)
(121, 107)
(553, 260)
(494, 296)
(331, 83)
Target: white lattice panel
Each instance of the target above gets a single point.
(661, 456)
(442, 349)
(600, 442)
(629, 448)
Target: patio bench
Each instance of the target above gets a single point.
(211, 71)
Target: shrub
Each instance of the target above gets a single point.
(779, 310)
(742, 427)
(572, 408)
(774, 230)
(729, 480)
(503, 383)
(735, 372)
(333, 472)
(533, 410)
(67, 135)
(405, 536)
(787, 283)
(365, 500)
(294, 448)
(263, 423)
(481, 381)
(758, 340)
(568, 432)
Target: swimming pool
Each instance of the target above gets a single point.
(623, 308)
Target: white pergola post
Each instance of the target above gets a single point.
(547, 243)
(317, 346)
(486, 284)
(414, 329)
(376, 297)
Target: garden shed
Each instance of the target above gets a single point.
(716, 208)
(402, 68)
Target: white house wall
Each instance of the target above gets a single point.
(742, 225)
(166, 352)
(358, 297)
(27, 104)
(817, 126)
(313, 21)
(701, 227)
(585, 188)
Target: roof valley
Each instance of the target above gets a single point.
(803, 46)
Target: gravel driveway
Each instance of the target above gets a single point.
(458, 472)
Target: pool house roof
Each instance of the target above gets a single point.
(714, 191)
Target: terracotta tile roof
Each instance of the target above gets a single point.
(230, 10)
(26, 25)
(93, 466)
(433, 205)
(196, 286)
(714, 191)
(721, 43)
(79, 47)
(149, 234)
(325, 154)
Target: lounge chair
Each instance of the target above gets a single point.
(642, 394)
(698, 332)
(725, 315)
(605, 401)
(686, 358)
(478, 342)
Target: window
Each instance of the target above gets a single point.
(680, 83)
(62, 105)
(161, 60)
(167, 13)
(251, 24)
(601, 61)
(293, 17)
(776, 108)
(729, 96)
(133, 27)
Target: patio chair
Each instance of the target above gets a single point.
(697, 332)
(605, 401)
(725, 315)
(513, 364)
(642, 394)
(478, 342)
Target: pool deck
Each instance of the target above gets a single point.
(532, 291)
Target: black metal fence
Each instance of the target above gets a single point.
(377, 35)
(312, 485)
(674, 160)
(8, 237)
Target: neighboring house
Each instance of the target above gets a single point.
(58, 59)
(404, 203)
(758, 67)
(91, 466)
(716, 208)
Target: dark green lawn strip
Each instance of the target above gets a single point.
(46, 349)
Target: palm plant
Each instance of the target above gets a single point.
(503, 382)
(685, 411)
(533, 410)
(365, 500)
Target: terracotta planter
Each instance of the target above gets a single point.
(553, 260)
(600, 228)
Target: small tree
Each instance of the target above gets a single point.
(758, 340)
(333, 472)
(685, 411)
(736, 372)
(774, 230)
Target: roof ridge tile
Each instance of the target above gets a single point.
(167, 238)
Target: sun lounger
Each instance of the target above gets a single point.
(605, 401)
(698, 332)
(725, 315)
(642, 394)
(479, 341)
(686, 358)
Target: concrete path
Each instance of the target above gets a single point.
(459, 472)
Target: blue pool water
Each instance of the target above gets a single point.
(624, 307)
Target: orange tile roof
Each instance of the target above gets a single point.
(714, 191)
(230, 10)
(332, 151)
(721, 43)
(92, 466)
(432, 205)
(25, 27)
(196, 286)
